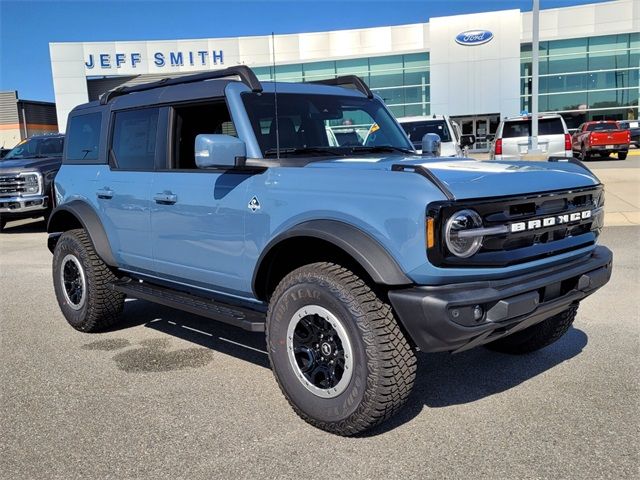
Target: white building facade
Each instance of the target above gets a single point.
(476, 68)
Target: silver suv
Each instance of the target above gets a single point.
(514, 134)
(452, 141)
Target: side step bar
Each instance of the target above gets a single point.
(245, 318)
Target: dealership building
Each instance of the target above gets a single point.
(475, 68)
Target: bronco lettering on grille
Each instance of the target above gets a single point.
(549, 221)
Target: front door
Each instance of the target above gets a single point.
(198, 215)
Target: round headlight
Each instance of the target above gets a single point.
(463, 246)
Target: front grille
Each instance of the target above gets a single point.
(516, 247)
(11, 185)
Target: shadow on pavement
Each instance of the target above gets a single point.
(207, 333)
(442, 380)
(35, 226)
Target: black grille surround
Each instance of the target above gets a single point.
(513, 248)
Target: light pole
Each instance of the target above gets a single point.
(534, 75)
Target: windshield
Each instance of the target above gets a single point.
(417, 130)
(37, 148)
(317, 125)
(597, 127)
(522, 128)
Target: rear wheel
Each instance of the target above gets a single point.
(336, 350)
(537, 336)
(622, 155)
(82, 284)
(583, 154)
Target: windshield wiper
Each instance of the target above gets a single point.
(380, 148)
(271, 152)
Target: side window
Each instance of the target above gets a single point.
(83, 138)
(189, 122)
(133, 145)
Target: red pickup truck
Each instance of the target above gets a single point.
(602, 139)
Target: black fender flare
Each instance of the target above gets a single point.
(90, 221)
(365, 250)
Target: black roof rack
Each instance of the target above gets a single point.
(348, 80)
(245, 73)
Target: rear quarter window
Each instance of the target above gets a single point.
(522, 128)
(83, 138)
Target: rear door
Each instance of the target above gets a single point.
(197, 215)
(123, 190)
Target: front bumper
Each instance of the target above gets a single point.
(441, 318)
(21, 206)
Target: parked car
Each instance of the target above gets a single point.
(512, 140)
(634, 130)
(349, 258)
(26, 178)
(602, 139)
(452, 141)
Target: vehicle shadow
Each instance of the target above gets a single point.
(442, 379)
(217, 336)
(34, 226)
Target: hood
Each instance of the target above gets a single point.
(467, 178)
(22, 164)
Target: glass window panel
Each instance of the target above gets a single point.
(390, 62)
(134, 139)
(634, 40)
(613, 79)
(564, 83)
(564, 47)
(567, 63)
(416, 94)
(319, 70)
(605, 60)
(391, 79)
(391, 96)
(358, 66)
(263, 73)
(289, 73)
(613, 98)
(416, 77)
(415, 110)
(634, 59)
(83, 137)
(417, 60)
(608, 42)
(569, 101)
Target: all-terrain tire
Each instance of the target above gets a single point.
(384, 363)
(622, 155)
(537, 336)
(101, 306)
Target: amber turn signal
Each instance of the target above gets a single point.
(430, 238)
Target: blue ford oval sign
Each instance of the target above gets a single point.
(474, 37)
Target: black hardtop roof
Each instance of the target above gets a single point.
(212, 84)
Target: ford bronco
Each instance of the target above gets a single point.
(223, 196)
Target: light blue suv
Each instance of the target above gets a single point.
(225, 197)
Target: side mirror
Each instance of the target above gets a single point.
(467, 140)
(213, 150)
(431, 144)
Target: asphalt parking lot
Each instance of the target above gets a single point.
(170, 395)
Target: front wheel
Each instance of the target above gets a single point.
(82, 284)
(336, 350)
(536, 336)
(622, 155)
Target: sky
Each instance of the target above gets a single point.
(27, 27)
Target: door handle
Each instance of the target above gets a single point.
(165, 198)
(105, 193)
